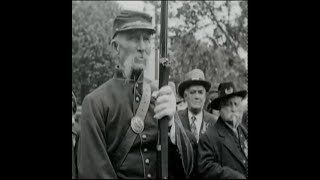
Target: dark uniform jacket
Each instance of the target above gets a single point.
(221, 155)
(106, 116)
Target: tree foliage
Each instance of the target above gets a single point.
(217, 54)
(92, 62)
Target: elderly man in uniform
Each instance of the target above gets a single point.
(119, 125)
(193, 89)
(223, 149)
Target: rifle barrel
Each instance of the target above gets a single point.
(164, 71)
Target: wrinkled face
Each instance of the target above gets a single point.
(231, 110)
(134, 49)
(195, 96)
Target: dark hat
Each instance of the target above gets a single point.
(128, 20)
(226, 90)
(74, 103)
(194, 77)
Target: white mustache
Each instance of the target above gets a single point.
(235, 115)
(137, 59)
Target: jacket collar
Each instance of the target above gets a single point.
(119, 74)
(185, 120)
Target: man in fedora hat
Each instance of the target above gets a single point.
(119, 121)
(223, 149)
(193, 89)
(194, 118)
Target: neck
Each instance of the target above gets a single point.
(195, 111)
(135, 74)
(129, 75)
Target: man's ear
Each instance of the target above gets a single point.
(185, 94)
(115, 46)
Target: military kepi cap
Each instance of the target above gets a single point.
(128, 20)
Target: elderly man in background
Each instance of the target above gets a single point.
(223, 149)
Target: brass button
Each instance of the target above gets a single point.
(144, 137)
(147, 161)
(137, 85)
(244, 161)
(137, 99)
(149, 176)
(145, 150)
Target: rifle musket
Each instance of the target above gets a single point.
(164, 70)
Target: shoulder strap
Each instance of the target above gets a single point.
(128, 140)
(123, 149)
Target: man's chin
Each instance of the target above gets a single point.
(139, 67)
(135, 72)
(195, 110)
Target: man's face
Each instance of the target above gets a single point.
(195, 96)
(231, 110)
(134, 49)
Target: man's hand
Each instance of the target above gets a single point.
(165, 104)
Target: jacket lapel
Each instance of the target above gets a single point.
(228, 140)
(205, 122)
(244, 130)
(245, 133)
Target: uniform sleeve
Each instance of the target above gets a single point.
(93, 159)
(208, 162)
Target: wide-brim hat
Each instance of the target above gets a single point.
(194, 77)
(129, 20)
(226, 90)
